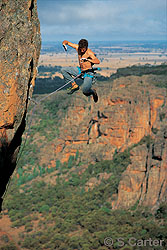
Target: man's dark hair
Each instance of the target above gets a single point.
(83, 43)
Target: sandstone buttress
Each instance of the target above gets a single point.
(20, 43)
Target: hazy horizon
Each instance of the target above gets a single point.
(114, 41)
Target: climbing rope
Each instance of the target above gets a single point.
(29, 126)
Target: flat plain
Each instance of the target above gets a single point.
(111, 57)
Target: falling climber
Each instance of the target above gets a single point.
(86, 72)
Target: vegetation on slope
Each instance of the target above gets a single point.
(48, 85)
(139, 70)
(57, 208)
(71, 218)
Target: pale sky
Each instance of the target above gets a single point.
(100, 20)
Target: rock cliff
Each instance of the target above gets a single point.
(144, 181)
(19, 52)
(129, 109)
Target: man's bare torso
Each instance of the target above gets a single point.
(84, 65)
(86, 56)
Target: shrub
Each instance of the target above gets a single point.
(44, 209)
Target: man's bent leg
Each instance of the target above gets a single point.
(87, 88)
(68, 72)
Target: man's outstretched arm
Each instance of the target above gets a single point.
(73, 45)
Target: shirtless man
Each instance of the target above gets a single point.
(86, 60)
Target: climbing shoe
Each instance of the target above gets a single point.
(73, 89)
(95, 96)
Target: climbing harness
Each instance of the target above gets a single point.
(91, 70)
(84, 74)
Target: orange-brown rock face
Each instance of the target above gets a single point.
(125, 113)
(144, 181)
(128, 110)
(19, 53)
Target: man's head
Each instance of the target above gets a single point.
(83, 45)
